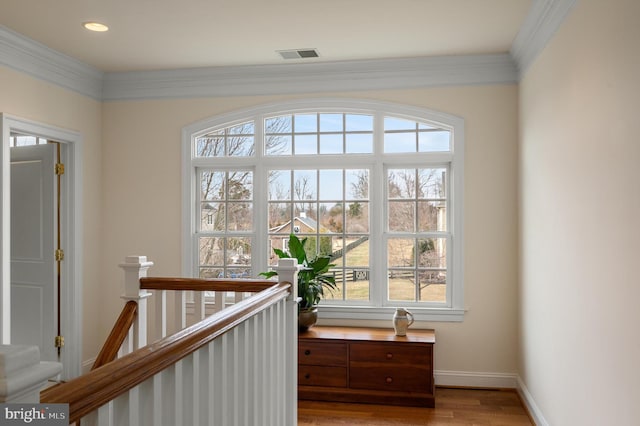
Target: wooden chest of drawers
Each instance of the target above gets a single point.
(367, 365)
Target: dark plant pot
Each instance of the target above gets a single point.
(307, 317)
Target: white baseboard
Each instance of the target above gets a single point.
(492, 380)
(530, 404)
(476, 380)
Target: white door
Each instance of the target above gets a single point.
(34, 316)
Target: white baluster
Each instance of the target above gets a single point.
(198, 306)
(180, 301)
(218, 303)
(161, 314)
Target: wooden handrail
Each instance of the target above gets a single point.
(118, 334)
(211, 284)
(96, 388)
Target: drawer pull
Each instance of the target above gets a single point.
(307, 376)
(389, 355)
(307, 352)
(389, 379)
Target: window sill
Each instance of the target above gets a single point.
(369, 313)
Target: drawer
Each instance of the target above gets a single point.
(315, 375)
(393, 378)
(324, 353)
(391, 354)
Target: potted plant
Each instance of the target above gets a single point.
(313, 278)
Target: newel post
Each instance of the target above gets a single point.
(287, 270)
(136, 267)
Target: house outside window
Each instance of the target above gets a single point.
(377, 187)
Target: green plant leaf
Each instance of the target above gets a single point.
(296, 249)
(281, 254)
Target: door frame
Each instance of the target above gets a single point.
(71, 223)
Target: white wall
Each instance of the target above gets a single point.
(142, 175)
(25, 97)
(579, 219)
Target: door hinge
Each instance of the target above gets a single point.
(59, 169)
(59, 341)
(59, 255)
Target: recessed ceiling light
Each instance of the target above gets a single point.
(95, 26)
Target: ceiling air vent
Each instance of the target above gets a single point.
(298, 53)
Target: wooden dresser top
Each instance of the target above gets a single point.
(367, 334)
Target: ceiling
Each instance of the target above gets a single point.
(172, 34)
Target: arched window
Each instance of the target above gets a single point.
(375, 186)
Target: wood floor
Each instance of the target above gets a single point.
(454, 407)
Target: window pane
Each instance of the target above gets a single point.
(212, 186)
(402, 216)
(399, 142)
(305, 184)
(239, 253)
(431, 183)
(306, 144)
(239, 146)
(237, 140)
(357, 217)
(432, 253)
(331, 184)
(239, 216)
(211, 251)
(277, 145)
(432, 216)
(279, 185)
(240, 185)
(402, 183)
(331, 122)
(359, 143)
(306, 123)
(392, 123)
(434, 141)
(280, 124)
(212, 217)
(331, 217)
(241, 129)
(359, 122)
(356, 252)
(357, 184)
(338, 293)
(279, 216)
(210, 146)
(358, 285)
(402, 285)
(400, 252)
(433, 286)
(331, 144)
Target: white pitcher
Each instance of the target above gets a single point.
(402, 319)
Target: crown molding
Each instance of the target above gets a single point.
(33, 58)
(311, 78)
(541, 23)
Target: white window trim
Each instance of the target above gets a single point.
(455, 309)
